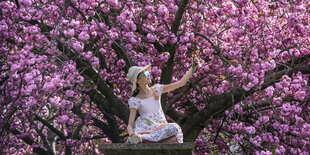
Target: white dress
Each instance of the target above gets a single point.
(152, 125)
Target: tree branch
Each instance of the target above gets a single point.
(51, 127)
(178, 16)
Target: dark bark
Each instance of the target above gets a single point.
(113, 130)
(178, 16)
(51, 127)
(43, 137)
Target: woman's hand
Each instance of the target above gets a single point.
(131, 134)
(195, 62)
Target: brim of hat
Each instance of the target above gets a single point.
(145, 68)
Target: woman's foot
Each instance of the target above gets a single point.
(134, 139)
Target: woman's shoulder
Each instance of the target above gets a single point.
(134, 99)
(157, 85)
(134, 103)
(158, 88)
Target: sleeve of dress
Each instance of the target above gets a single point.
(159, 89)
(133, 103)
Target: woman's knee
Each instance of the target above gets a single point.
(174, 129)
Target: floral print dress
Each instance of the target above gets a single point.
(152, 125)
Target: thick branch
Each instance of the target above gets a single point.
(96, 122)
(51, 127)
(43, 137)
(178, 16)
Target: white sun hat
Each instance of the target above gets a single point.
(133, 74)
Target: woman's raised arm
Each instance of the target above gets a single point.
(185, 78)
(178, 84)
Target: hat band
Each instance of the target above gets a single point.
(133, 74)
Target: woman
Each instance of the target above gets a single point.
(151, 126)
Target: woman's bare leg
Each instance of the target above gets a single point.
(167, 140)
(170, 140)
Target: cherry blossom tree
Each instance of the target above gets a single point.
(64, 63)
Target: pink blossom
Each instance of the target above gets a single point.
(250, 129)
(280, 150)
(264, 119)
(132, 40)
(256, 141)
(121, 63)
(234, 127)
(197, 17)
(295, 86)
(149, 9)
(287, 91)
(70, 93)
(15, 67)
(78, 46)
(105, 9)
(286, 109)
(237, 107)
(300, 95)
(127, 15)
(173, 39)
(84, 6)
(49, 86)
(298, 120)
(113, 2)
(72, 67)
(84, 36)
(163, 41)
(238, 138)
(54, 100)
(285, 128)
(130, 26)
(248, 86)
(26, 2)
(269, 91)
(70, 121)
(31, 61)
(69, 32)
(63, 119)
(88, 55)
(293, 20)
(64, 103)
(172, 8)
(148, 1)
(150, 37)
(32, 101)
(162, 11)
(80, 79)
(305, 130)
(28, 77)
(277, 100)
(241, 3)
(265, 153)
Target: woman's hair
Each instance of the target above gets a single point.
(136, 91)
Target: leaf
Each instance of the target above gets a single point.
(223, 77)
